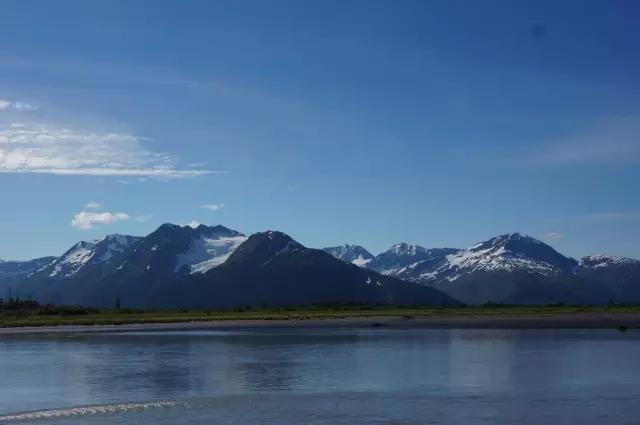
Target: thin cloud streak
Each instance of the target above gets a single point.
(213, 207)
(18, 105)
(615, 142)
(50, 149)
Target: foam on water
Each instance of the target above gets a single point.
(83, 411)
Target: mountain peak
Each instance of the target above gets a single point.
(350, 254)
(406, 249)
(511, 239)
(262, 247)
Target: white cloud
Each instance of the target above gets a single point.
(51, 149)
(193, 224)
(86, 220)
(213, 207)
(93, 205)
(18, 105)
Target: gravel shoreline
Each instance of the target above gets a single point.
(615, 321)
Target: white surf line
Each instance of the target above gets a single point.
(83, 411)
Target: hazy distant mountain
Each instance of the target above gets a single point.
(354, 254)
(14, 272)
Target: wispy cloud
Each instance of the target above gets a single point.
(552, 236)
(193, 224)
(615, 142)
(52, 149)
(213, 207)
(18, 105)
(93, 205)
(86, 220)
(609, 216)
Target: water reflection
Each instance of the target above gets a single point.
(332, 375)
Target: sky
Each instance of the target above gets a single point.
(440, 123)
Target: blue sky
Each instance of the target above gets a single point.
(440, 123)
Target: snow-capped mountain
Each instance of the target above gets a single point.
(354, 254)
(86, 253)
(603, 261)
(178, 250)
(396, 260)
(513, 252)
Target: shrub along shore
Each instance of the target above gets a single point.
(20, 313)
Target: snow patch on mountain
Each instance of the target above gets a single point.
(207, 252)
(492, 259)
(74, 259)
(85, 252)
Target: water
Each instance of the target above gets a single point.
(322, 376)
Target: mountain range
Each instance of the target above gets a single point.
(513, 269)
(216, 267)
(210, 267)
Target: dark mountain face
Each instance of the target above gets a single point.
(354, 254)
(272, 269)
(262, 248)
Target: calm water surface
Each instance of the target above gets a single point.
(323, 376)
